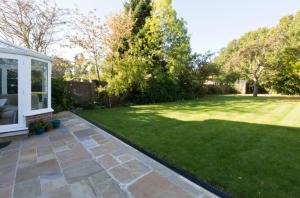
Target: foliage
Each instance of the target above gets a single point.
(40, 124)
(218, 89)
(160, 53)
(90, 34)
(120, 27)
(60, 67)
(62, 99)
(269, 57)
(140, 9)
(32, 24)
(285, 76)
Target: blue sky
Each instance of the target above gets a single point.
(211, 23)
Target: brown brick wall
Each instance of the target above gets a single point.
(44, 116)
(85, 91)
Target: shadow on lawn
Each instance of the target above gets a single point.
(244, 159)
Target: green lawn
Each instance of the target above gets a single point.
(248, 147)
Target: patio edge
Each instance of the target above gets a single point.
(173, 167)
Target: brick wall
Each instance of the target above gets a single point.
(85, 91)
(44, 116)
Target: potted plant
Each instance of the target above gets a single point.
(55, 124)
(38, 127)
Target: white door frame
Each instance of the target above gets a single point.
(21, 125)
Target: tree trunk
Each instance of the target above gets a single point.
(97, 73)
(256, 86)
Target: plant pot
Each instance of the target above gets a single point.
(39, 131)
(56, 124)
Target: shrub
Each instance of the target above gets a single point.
(40, 124)
(219, 89)
(156, 91)
(62, 99)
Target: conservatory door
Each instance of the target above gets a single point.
(10, 103)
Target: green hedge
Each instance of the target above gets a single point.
(62, 99)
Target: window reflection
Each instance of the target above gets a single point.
(39, 85)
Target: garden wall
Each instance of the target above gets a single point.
(85, 92)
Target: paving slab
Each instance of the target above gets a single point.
(6, 192)
(39, 169)
(100, 139)
(129, 171)
(75, 154)
(125, 157)
(52, 182)
(155, 186)
(9, 158)
(89, 143)
(105, 186)
(106, 148)
(81, 170)
(7, 174)
(30, 188)
(81, 160)
(27, 157)
(107, 161)
(82, 134)
(81, 189)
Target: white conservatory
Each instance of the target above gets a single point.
(25, 88)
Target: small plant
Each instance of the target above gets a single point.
(38, 126)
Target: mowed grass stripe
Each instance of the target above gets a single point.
(236, 143)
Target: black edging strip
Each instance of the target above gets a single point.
(180, 171)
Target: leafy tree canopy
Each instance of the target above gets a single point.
(269, 57)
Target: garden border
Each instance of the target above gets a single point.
(173, 167)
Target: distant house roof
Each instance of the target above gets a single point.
(9, 48)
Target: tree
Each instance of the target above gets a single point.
(166, 43)
(90, 34)
(119, 28)
(60, 67)
(140, 10)
(250, 59)
(156, 63)
(31, 24)
(276, 50)
(203, 68)
(81, 70)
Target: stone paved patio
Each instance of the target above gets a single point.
(81, 160)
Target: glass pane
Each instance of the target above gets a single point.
(8, 91)
(39, 85)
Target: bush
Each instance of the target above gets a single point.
(62, 99)
(156, 91)
(219, 89)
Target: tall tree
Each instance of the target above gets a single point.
(32, 24)
(120, 27)
(166, 41)
(159, 55)
(90, 34)
(140, 9)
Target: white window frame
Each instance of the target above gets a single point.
(21, 125)
(44, 110)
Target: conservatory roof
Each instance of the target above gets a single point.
(9, 48)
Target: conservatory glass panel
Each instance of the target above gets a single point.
(8, 91)
(39, 85)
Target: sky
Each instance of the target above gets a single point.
(211, 23)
